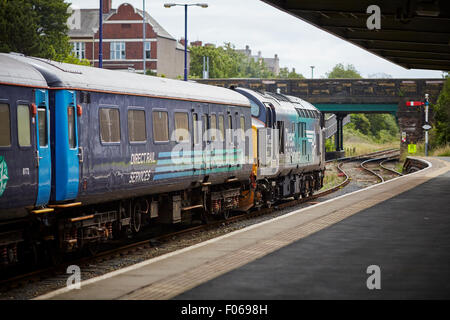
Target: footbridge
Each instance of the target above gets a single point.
(345, 96)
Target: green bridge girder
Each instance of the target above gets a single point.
(357, 108)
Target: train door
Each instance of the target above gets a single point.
(240, 139)
(230, 140)
(18, 167)
(205, 141)
(214, 142)
(67, 157)
(43, 154)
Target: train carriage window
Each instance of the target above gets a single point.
(181, 126)
(204, 128)
(137, 129)
(5, 126)
(109, 125)
(242, 123)
(23, 125)
(195, 124)
(71, 126)
(42, 127)
(221, 127)
(230, 122)
(213, 125)
(160, 126)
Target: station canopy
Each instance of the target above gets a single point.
(414, 34)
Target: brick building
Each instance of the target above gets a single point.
(272, 64)
(122, 40)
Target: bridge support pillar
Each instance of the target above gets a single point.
(339, 136)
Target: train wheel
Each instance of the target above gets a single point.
(92, 249)
(136, 217)
(52, 254)
(226, 214)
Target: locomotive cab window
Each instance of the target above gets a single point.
(23, 125)
(5, 126)
(137, 130)
(160, 126)
(181, 127)
(254, 109)
(109, 125)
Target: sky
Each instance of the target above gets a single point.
(264, 28)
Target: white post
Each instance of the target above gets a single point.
(426, 122)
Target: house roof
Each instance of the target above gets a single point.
(89, 20)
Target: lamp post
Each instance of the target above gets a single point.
(186, 5)
(100, 40)
(312, 72)
(143, 35)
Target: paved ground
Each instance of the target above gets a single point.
(317, 252)
(407, 236)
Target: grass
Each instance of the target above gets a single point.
(441, 151)
(331, 178)
(357, 144)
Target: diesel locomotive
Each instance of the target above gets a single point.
(88, 155)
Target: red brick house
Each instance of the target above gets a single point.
(122, 40)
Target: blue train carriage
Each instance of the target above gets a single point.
(128, 148)
(289, 148)
(25, 162)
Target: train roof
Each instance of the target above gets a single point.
(18, 73)
(64, 75)
(280, 99)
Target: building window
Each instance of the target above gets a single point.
(160, 126)
(79, 50)
(109, 125)
(5, 126)
(117, 51)
(23, 125)
(147, 50)
(137, 131)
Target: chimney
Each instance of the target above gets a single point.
(182, 41)
(106, 6)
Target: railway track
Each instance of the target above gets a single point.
(377, 168)
(60, 270)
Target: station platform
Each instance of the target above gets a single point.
(402, 226)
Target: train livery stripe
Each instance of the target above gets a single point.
(191, 172)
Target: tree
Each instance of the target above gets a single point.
(35, 27)
(441, 130)
(226, 62)
(285, 73)
(339, 71)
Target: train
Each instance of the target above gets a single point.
(89, 155)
